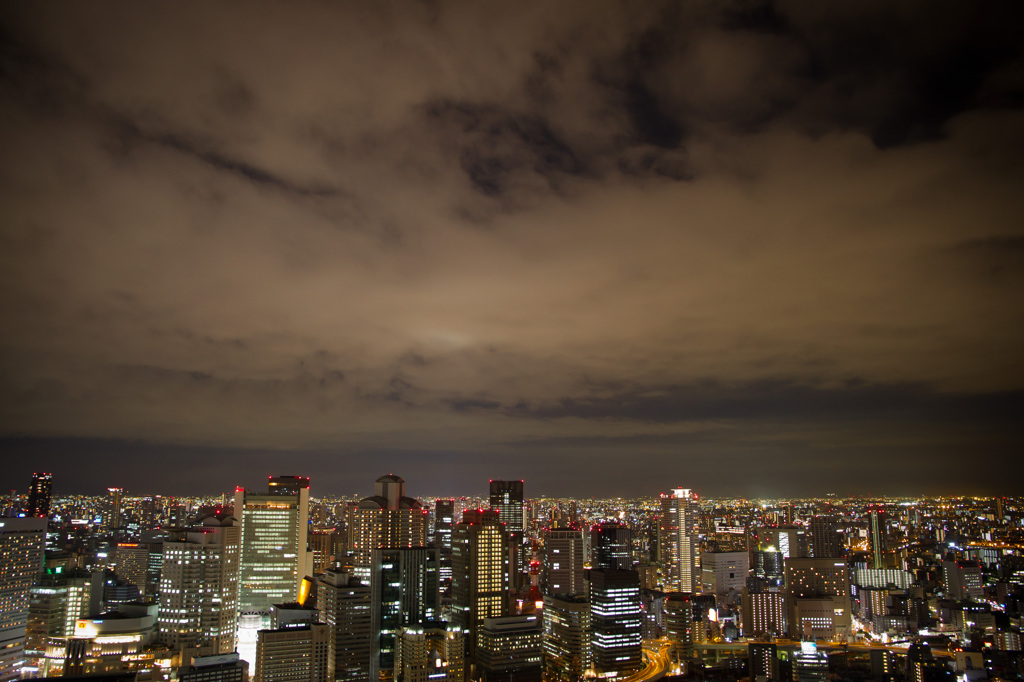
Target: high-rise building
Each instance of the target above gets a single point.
(506, 497)
(563, 565)
(764, 610)
(275, 556)
(131, 564)
(818, 598)
(39, 495)
(511, 648)
(610, 546)
(566, 637)
(677, 546)
(404, 589)
(199, 588)
(21, 561)
(387, 519)
(293, 654)
(616, 621)
(763, 658)
(679, 621)
(724, 573)
(879, 534)
(344, 605)
(825, 540)
(789, 541)
(480, 572)
(444, 519)
(113, 509)
(220, 668)
(430, 652)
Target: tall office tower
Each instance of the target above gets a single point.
(616, 621)
(768, 565)
(39, 495)
(506, 497)
(563, 564)
(321, 546)
(444, 518)
(678, 619)
(199, 588)
(763, 659)
(677, 535)
(879, 538)
(610, 546)
(962, 579)
(724, 573)
(131, 564)
(113, 509)
(511, 648)
(566, 637)
(56, 601)
(387, 519)
(764, 610)
(274, 544)
(818, 598)
(151, 511)
(431, 652)
(825, 540)
(404, 591)
(21, 560)
(293, 654)
(344, 605)
(480, 568)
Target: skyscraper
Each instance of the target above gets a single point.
(39, 495)
(566, 637)
(677, 545)
(563, 567)
(404, 592)
(610, 545)
(112, 513)
(199, 588)
(444, 519)
(387, 519)
(21, 560)
(431, 652)
(480, 571)
(274, 544)
(293, 654)
(616, 620)
(344, 605)
(506, 497)
(825, 541)
(818, 598)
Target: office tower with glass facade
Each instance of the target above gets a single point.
(616, 621)
(563, 566)
(511, 648)
(293, 654)
(506, 497)
(566, 637)
(404, 592)
(199, 588)
(39, 495)
(611, 546)
(444, 519)
(343, 603)
(480, 571)
(435, 652)
(275, 555)
(113, 509)
(826, 542)
(21, 561)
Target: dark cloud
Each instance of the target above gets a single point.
(513, 241)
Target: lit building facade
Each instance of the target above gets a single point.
(480, 571)
(616, 619)
(563, 566)
(677, 540)
(566, 637)
(21, 561)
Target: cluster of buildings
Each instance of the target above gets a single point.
(275, 586)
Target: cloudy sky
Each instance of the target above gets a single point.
(750, 248)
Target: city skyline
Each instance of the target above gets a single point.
(754, 249)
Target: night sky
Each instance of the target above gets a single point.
(749, 248)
